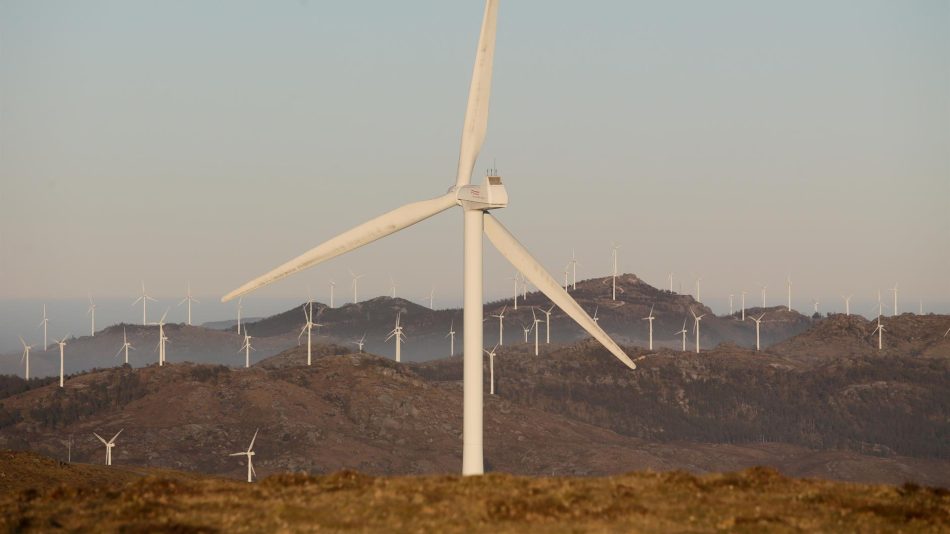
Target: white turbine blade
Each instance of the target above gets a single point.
(238, 454)
(354, 238)
(511, 249)
(116, 435)
(104, 442)
(476, 113)
(251, 446)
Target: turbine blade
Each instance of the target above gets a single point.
(251, 446)
(116, 435)
(476, 113)
(522, 260)
(104, 442)
(366, 233)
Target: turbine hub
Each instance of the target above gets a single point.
(490, 194)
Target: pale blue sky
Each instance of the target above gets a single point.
(210, 141)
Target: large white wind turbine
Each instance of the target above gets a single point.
(45, 324)
(249, 453)
(758, 322)
(475, 201)
(247, 348)
(189, 299)
(650, 318)
(26, 357)
(451, 335)
(683, 332)
(91, 311)
(547, 323)
(355, 283)
(125, 347)
(696, 320)
(62, 360)
(501, 325)
(109, 445)
(144, 298)
(398, 335)
(491, 370)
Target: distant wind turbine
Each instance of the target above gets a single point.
(536, 328)
(815, 302)
(247, 348)
(698, 280)
(189, 299)
(432, 298)
(392, 286)
(451, 335)
(398, 335)
(26, 357)
(595, 318)
(573, 271)
(501, 325)
(696, 319)
(547, 323)
(44, 323)
(788, 287)
(650, 318)
(894, 290)
(515, 279)
(109, 445)
(125, 346)
(614, 277)
(359, 343)
(491, 369)
(161, 339)
(240, 307)
(683, 332)
(308, 327)
(879, 331)
(763, 295)
(62, 361)
(731, 307)
(144, 298)
(527, 330)
(249, 453)
(92, 313)
(743, 304)
(847, 305)
(670, 276)
(356, 283)
(758, 321)
(332, 285)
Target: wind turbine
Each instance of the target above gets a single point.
(397, 333)
(432, 298)
(356, 285)
(392, 286)
(788, 287)
(515, 279)
(307, 327)
(125, 346)
(763, 295)
(847, 305)
(62, 361)
(527, 330)
(501, 325)
(247, 348)
(475, 201)
(44, 323)
(894, 290)
(670, 276)
(731, 307)
(491, 369)
(189, 299)
(144, 298)
(26, 357)
(161, 339)
(109, 445)
(698, 280)
(743, 304)
(249, 452)
(547, 323)
(696, 320)
(879, 331)
(614, 278)
(451, 334)
(536, 328)
(332, 286)
(573, 271)
(650, 318)
(567, 271)
(92, 313)
(683, 332)
(360, 343)
(815, 302)
(595, 318)
(240, 306)
(758, 321)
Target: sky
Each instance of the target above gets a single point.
(207, 142)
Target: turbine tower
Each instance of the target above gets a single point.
(758, 321)
(109, 445)
(475, 201)
(247, 348)
(743, 304)
(491, 369)
(547, 323)
(613, 292)
(240, 307)
(534, 325)
(763, 295)
(698, 280)
(62, 361)
(356, 285)
(894, 290)
(880, 332)
(683, 332)
(670, 276)
(26, 358)
(398, 335)
(788, 287)
(432, 298)
(847, 305)
(92, 313)
(451, 335)
(189, 299)
(125, 347)
(731, 306)
(501, 325)
(332, 286)
(696, 320)
(527, 330)
(249, 453)
(44, 323)
(815, 302)
(307, 327)
(161, 339)
(392, 287)
(650, 318)
(573, 271)
(144, 298)
(360, 342)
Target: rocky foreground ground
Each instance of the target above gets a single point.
(38, 494)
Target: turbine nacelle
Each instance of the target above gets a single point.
(489, 195)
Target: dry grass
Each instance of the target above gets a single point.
(753, 500)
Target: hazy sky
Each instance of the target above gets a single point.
(210, 141)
